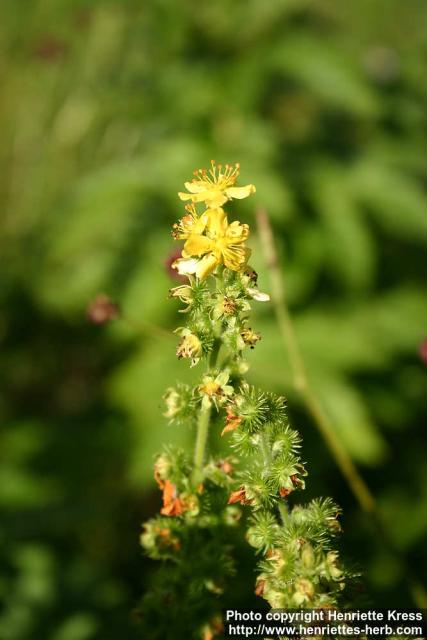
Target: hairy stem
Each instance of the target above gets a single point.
(284, 513)
(349, 470)
(204, 416)
(214, 353)
(202, 435)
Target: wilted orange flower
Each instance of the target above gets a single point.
(172, 504)
(102, 309)
(232, 421)
(225, 466)
(238, 496)
(250, 338)
(259, 587)
(168, 539)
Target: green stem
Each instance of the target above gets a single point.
(202, 435)
(204, 416)
(214, 353)
(283, 510)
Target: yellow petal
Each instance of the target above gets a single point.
(217, 221)
(200, 224)
(185, 196)
(197, 245)
(237, 233)
(240, 192)
(197, 187)
(206, 265)
(235, 257)
(258, 295)
(203, 196)
(215, 198)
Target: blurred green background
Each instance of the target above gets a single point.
(105, 109)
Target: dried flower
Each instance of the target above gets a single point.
(232, 421)
(238, 496)
(173, 402)
(172, 504)
(189, 347)
(259, 586)
(250, 338)
(184, 293)
(102, 309)
(225, 466)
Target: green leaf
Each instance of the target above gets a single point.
(350, 419)
(349, 247)
(325, 70)
(396, 200)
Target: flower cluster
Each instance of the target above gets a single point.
(210, 240)
(200, 529)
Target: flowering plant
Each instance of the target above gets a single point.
(216, 508)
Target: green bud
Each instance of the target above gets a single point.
(232, 515)
(307, 556)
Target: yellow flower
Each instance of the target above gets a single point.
(216, 185)
(218, 243)
(216, 389)
(189, 224)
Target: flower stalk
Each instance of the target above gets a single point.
(202, 436)
(200, 531)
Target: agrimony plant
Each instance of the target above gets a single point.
(213, 506)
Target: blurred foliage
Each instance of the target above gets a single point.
(105, 109)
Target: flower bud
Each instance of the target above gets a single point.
(190, 503)
(102, 309)
(148, 536)
(162, 469)
(276, 599)
(307, 556)
(173, 403)
(213, 587)
(331, 564)
(232, 515)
